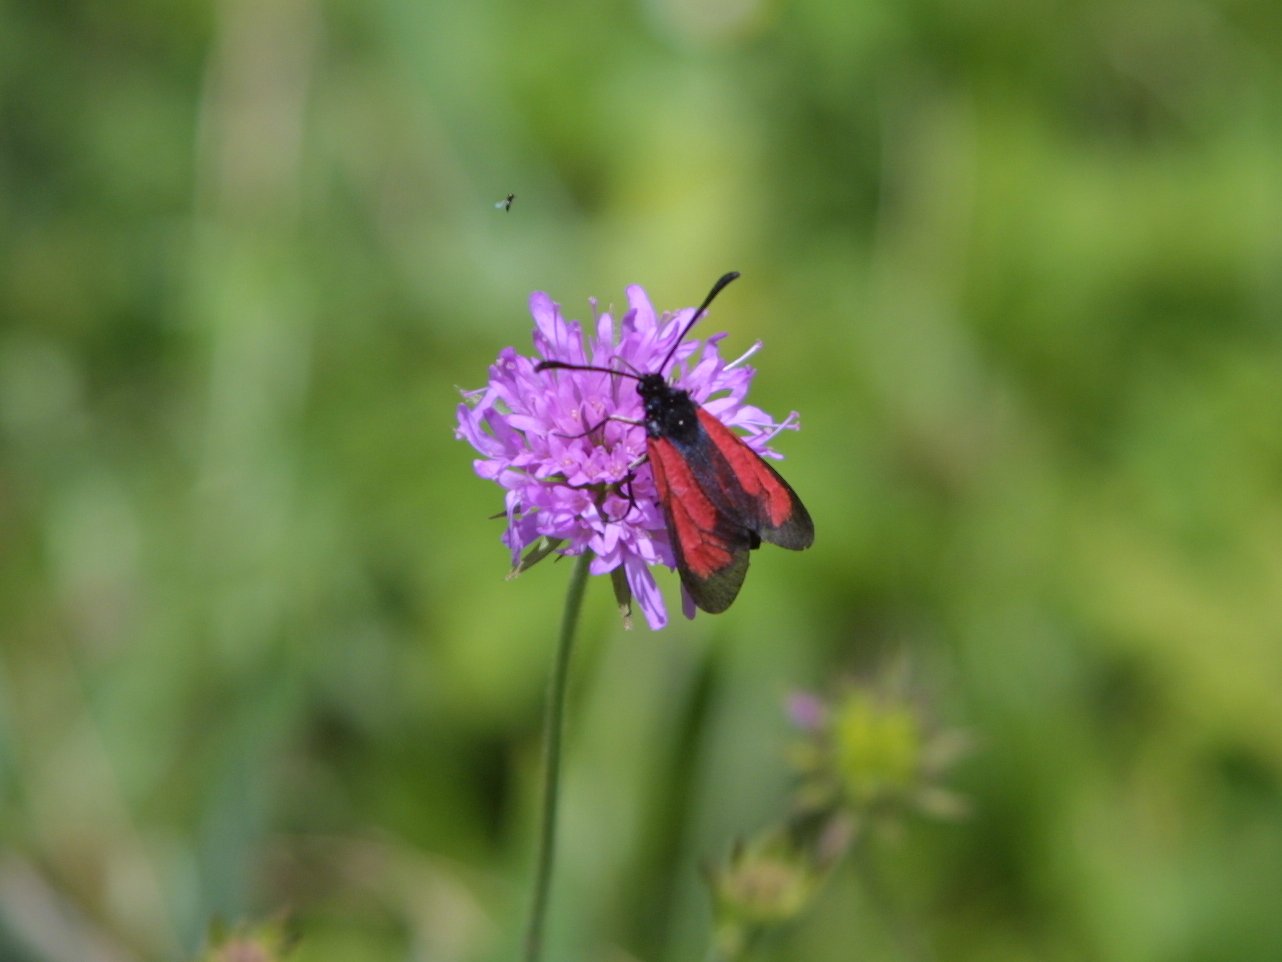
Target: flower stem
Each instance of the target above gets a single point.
(554, 723)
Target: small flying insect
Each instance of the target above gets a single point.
(506, 202)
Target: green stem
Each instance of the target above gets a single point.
(554, 723)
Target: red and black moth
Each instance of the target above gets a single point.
(720, 499)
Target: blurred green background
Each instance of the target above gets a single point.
(1019, 267)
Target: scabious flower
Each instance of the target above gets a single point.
(873, 752)
(561, 446)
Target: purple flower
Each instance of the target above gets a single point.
(563, 490)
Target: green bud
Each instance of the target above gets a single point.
(878, 749)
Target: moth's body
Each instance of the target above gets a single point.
(669, 411)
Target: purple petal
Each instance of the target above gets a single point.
(554, 337)
(687, 604)
(642, 310)
(646, 592)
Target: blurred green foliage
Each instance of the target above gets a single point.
(1018, 265)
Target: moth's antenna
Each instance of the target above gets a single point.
(566, 366)
(716, 289)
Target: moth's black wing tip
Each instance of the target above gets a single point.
(718, 591)
(795, 534)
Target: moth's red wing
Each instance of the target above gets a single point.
(720, 500)
(760, 499)
(709, 546)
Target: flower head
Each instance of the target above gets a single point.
(771, 877)
(874, 752)
(563, 443)
(765, 882)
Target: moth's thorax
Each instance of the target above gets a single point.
(669, 412)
